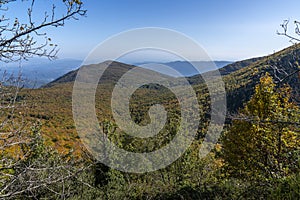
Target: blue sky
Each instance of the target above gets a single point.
(226, 29)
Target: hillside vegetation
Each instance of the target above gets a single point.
(257, 156)
(53, 102)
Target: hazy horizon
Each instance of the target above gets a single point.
(227, 30)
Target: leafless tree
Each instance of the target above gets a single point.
(280, 72)
(27, 167)
(294, 37)
(20, 39)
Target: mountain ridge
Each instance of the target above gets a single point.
(53, 104)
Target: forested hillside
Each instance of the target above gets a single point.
(247, 84)
(53, 101)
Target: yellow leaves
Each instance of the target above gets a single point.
(219, 163)
(218, 147)
(262, 141)
(290, 139)
(78, 2)
(254, 71)
(267, 81)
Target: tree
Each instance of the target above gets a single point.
(20, 39)
(264, 140)
(41, 173)
(294, 38)
(280, 72)
(27, 167)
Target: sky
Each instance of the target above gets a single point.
(227, 29)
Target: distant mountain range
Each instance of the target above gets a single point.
(240, 77)
(38, 72)
(184, 68)
(53, 102)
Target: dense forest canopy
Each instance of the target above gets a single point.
(42, 156)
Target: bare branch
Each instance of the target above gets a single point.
(19, 40)
(285, 32)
